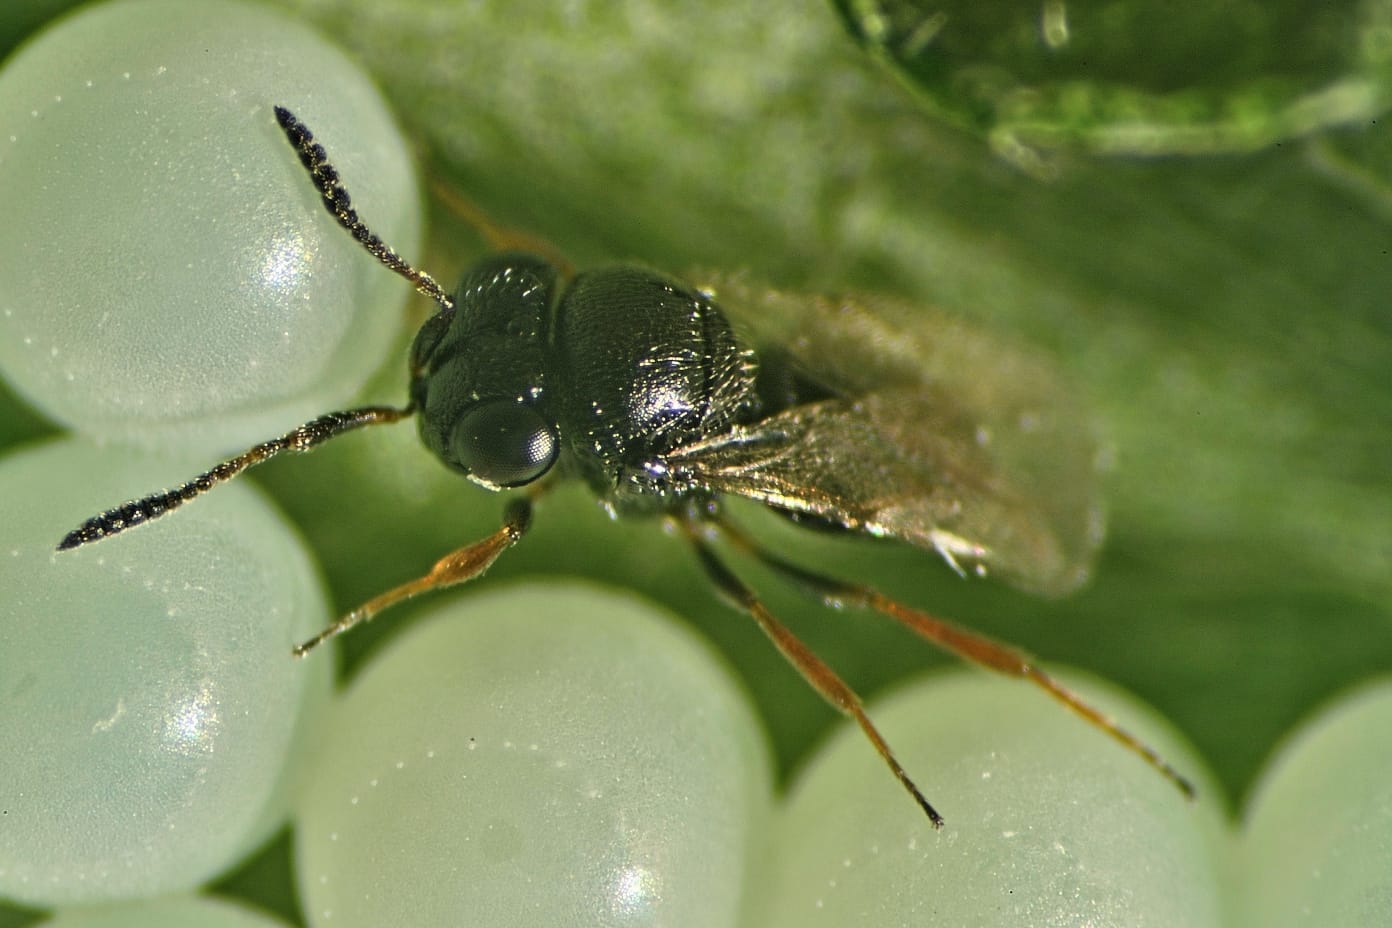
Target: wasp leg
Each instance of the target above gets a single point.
(456, 567)
(497, 236)
(307, 436)
(813, 669)
(968, 645)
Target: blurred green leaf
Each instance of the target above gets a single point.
(24, 16)
(1137, 76)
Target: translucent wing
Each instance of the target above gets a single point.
(938, 436)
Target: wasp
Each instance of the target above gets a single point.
(829, 412)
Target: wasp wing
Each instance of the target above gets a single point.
(935, 434)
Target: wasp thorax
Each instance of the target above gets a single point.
(647, 364)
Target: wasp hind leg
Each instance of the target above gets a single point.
(968, 645)
(813, 669)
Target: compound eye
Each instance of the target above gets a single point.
(504, 443)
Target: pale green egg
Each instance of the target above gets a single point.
(150, 709)
(1317, 846)
(550, 755)
(167, 273)
(1048, 821)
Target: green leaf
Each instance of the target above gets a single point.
(1136, 76)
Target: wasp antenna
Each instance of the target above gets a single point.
(307, 436)
(340, 206)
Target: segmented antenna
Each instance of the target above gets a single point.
(320, 430)
(340, 206)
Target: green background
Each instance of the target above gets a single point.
(1225, 318)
